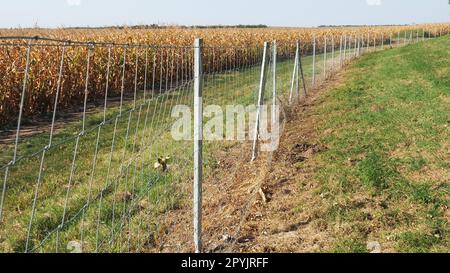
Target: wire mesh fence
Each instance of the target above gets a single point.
(283, 75)
(90, 178)
(88, 160)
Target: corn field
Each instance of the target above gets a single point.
(44, 60)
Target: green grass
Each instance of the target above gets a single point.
(349, 245)
(391, 120)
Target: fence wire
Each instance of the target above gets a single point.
(88, 160)
(88, 178)
(296, 71)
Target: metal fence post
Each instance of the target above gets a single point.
(314, 62)
(340, 52)
(274, 90)
(357, 45)
(363, 45)
(301, 68)
(297, 74)
(332, 53)
(360, 45)
(368, 42)
(294, 82)
(262, 86)
(345, 48)
(349, 55)
(325, 58)
(198, 143)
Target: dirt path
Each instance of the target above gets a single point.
(253, 207)
(41, 124)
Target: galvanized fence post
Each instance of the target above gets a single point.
(375, 43)
(297, 81)
(363, 45)
(301, 68)
(368, 42)
(360, 44)
(314, 62)
(198, 143)
(274, 90)
(325, 58)
(294, 81)
(332, 54)
(262, 86)
(345, 48)
(349, 55)
(340, 52)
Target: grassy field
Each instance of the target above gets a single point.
(386, 173)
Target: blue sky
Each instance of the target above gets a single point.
(58, 13)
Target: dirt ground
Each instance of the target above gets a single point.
(253, 206)
(31, 126)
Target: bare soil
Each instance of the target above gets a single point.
(31, 126)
